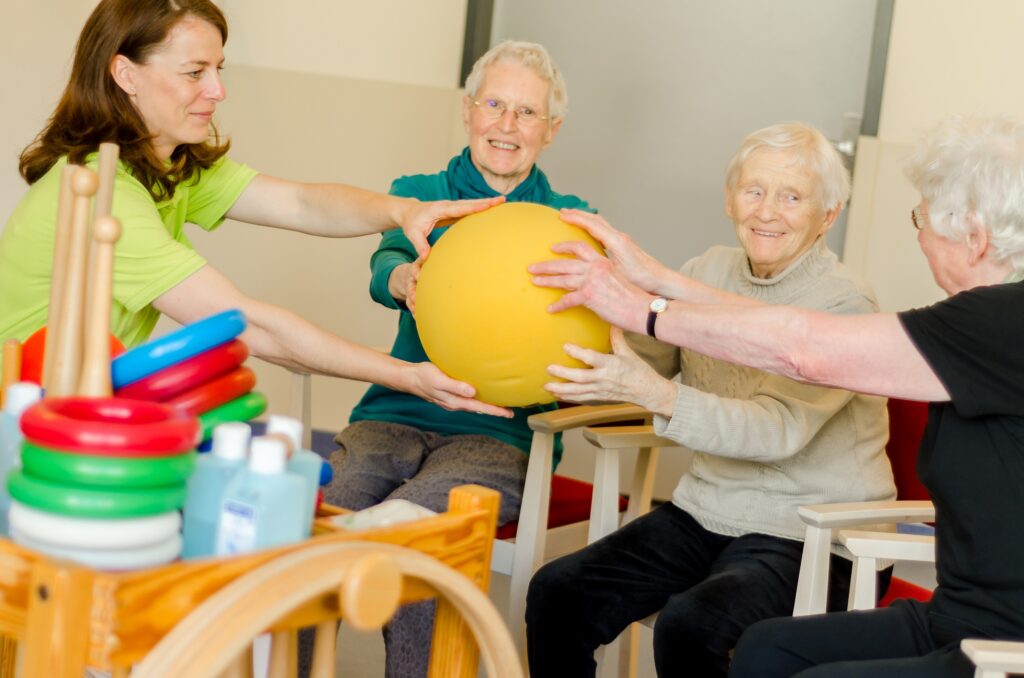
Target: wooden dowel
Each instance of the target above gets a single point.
(67, 343)
(95, 380)
(107, 169)
(12, 366)
(61, 242)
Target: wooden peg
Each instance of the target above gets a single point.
(61, 241)
(12, 366)
(67, 344)
(109, 154)
(95, 380)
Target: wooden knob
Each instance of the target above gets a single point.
(84, 182)
(370, 592)
(106, 230)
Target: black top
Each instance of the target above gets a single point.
(972, 459)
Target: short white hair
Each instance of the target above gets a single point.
(532, 56)
(811, 149)
(970, 171)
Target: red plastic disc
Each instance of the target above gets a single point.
(205, 397)
(110, 427)
(188, 374)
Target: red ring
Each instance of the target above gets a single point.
(188, 374)
(112, 427)
(205, 397)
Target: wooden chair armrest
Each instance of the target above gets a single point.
(615, 437)
(889, 545)
(556, 421)
(995, 655)
(857, 513)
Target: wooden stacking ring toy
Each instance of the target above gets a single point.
(109, 426)
(117, 559)
(85, 470)
(249, 406)
(175, 347)
(93, 533)
(188, 374)
(93, 503)
(215, 393)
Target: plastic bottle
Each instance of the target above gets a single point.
(206, 487)
(303, 462)
(18, 398)
(259, 509)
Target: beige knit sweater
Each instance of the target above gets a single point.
(763, 444)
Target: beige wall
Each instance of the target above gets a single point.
(945, 57)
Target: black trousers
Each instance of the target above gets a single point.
(708, 587)
(899, 641)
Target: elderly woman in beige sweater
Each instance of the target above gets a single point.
(725, 553)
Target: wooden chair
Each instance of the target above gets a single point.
(870, 548)
(365, 581)
(906, 426)
(558, 514)
(67, 616)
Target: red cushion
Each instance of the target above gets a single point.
(900, 588)
(570, 503)
(907, 420)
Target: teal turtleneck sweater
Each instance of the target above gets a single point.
(459, 182)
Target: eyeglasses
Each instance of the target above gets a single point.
(495, 108)
(917, 218)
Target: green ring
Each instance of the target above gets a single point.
(243, 408)
(92, 503)
(89, 471)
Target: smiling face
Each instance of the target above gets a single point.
(177, 89)
(776, 211)
(504, 149)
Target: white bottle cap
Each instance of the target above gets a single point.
(289, 426)
(231, 440)
(20, 396)
(267, 456)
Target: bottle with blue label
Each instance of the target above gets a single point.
(303, 462)
(18, 398)
(206, 487)
(259, 509)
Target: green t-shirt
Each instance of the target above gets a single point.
(152, 256)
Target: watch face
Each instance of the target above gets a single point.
(659, 304)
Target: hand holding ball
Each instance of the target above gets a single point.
(482, 321)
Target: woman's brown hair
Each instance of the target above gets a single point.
(94, 109)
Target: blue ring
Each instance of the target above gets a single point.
(179, 345)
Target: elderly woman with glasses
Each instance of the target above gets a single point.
(401, 447)
(725, 552)
(961, 354)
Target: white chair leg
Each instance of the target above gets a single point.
(604, 506)
(300, 405)
(530, 535)
(812, 586)
(863, 584)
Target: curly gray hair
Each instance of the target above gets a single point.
(970, 172)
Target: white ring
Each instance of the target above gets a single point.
(119, 559)
(93, 533)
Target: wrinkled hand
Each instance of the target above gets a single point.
(633, 263)
(593, 281)
(621, 376)
(422, 217)
(433, 385)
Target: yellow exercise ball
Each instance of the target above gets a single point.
(483, 321)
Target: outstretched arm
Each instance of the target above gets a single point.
(340, 211)
(869, 353)
(279, 336)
